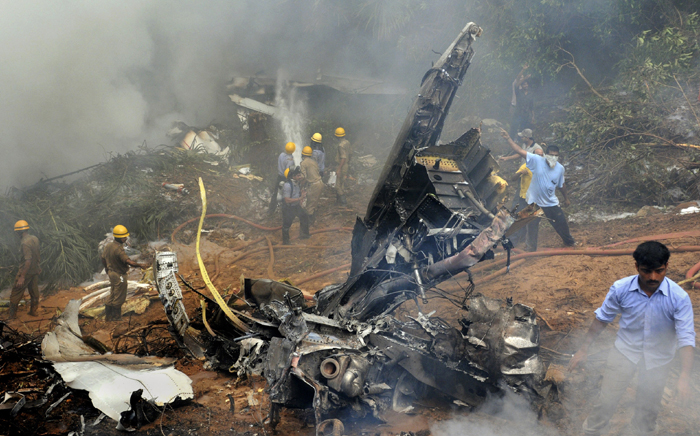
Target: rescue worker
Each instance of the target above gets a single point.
(29, 270)
(284, 161)
(319, 153)
(342, 158)
(314, 183)
(294, 196)
(116, 264)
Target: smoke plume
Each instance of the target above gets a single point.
(83, 79)
(505, 416)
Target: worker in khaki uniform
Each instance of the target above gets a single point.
(318, 153)
(29, 270)
(314, 184)
(342, 158)
(116, 264)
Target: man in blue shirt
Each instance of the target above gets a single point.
(547, 176)
(284, 161)
(656, 319)
(294, 197)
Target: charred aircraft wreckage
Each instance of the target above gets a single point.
(433, 214)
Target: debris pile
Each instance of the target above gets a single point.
(120, 385)
(39, 402)
(434, 213)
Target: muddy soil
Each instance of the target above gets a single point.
(564, 290)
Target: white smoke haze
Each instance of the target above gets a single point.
(506, 416)
(291, 114)
(76, 81)
(85, 79)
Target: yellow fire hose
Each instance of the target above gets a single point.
(204, 317)
(205, 276)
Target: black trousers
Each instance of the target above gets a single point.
(520, 122)
(291, 212)
(558, 220)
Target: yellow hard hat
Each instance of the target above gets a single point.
(339, 132)
(120, 231)
(317, 137)
(21, 225)
(307, 151)
(290, 147)
(286, 173)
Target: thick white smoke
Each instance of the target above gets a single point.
(82, 79)
(505, 416)
(291, 114)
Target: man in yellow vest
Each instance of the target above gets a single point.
(520, 201)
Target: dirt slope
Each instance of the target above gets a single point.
(563, 289)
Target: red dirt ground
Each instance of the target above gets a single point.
(564, 290)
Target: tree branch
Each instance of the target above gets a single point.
(572, 64)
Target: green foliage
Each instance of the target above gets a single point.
(594, 124)
(630, 140)
(385, 17)
(635, 176)
(655, 57)
(71, 219)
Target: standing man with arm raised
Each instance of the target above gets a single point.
(523, 103)
(656, 320)
(547, 176)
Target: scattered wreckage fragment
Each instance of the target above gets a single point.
(200, 140)
(432, 215)
(122, 386)
(164, 274)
